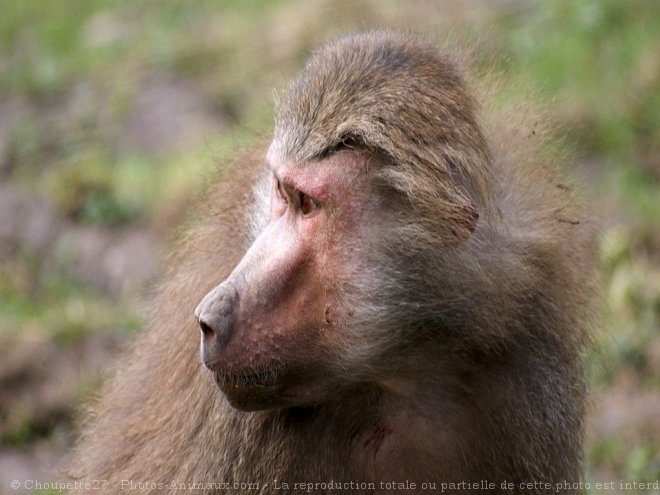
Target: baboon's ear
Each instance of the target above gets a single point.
(466, 214)
(465, 217)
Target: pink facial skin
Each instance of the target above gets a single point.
(289, 314)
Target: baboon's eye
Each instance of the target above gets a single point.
(307, 204)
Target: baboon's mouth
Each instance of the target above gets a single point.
(245, 380)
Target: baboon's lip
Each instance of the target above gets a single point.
(260, 379)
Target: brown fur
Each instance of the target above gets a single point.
(476, 303)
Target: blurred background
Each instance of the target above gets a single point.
(112, 114)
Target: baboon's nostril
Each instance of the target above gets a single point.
(206, 330)
(215, 314)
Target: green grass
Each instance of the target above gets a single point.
(600, 58)
(58, 307)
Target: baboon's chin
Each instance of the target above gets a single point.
(280, 391)
(247, 400)
(250, 392)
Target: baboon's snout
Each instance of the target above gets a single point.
(216, 316)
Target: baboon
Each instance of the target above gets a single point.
(395, 294)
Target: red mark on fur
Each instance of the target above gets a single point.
(376, 437)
